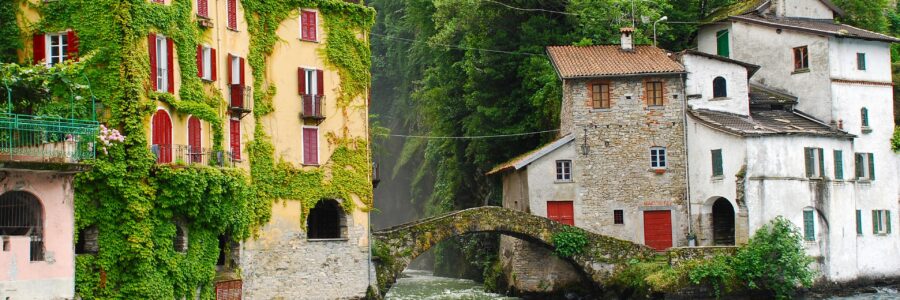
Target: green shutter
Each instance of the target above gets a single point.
(861, 61)
(821, 162)
(838, 164)
(859, 230)
(722, 48)
(858, 163)
(871, 166)
(887, 214)
(808, 157)
(875, 222)
(717, 168)
(809, 232)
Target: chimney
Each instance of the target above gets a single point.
(627, 38)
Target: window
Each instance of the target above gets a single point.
(194, 140)
(326, 221)
(309, 81)
(206, 68)
(310, 146)
(865, 166)
(864, 117)
(87, 240)
(722, 43)
(859, 230)
(235, 66)
(881, 221)
(618, 217)
(180, 242)
(57, 48)
(231, 9)
(809, 230)
(600, 95)
(161, 138)
(203, 8)
(161, 63)
(720, 89)
(654, 93)
(235, 138)
(717, 169)
(235, 69)
(308, 27)
(22, 214)
(658, 157)
(838, 164)
(801, 58)
(162, 71)
(815, 162)
(861, 61)
(563, 170)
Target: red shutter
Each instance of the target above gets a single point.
(162, 135)
(320, 83)
(194, 141)
(72, 48)
(241, 74)
(212, 63)
(232, 14)
(312, 26)
(311, 146)
(301, 81)
(40, 47)
(202, 8)
(228, 69)
(200, 61)
(170, 64)
(235, 139)
(151, 44)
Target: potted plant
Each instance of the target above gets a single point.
(659, 171)
(692, 239)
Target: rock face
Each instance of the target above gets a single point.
(396, 247)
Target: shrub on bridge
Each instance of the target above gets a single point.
(569, 241)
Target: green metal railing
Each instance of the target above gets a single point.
(33, 138)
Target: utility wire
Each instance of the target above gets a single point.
(467, 137)
(577, 14)
(452, 46)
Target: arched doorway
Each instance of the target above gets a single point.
(326, 221)
(22, 214)
(162, 136)
(723, 222)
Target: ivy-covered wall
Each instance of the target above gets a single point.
(132, 201)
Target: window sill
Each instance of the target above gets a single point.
(328, 240)
(311, 165)
(800, 71)
(563, 181)
(866, 129)
(863, 180)
(309, 40)
(235, 30)
(717, 177)
(720, 99)
(595, 110)
(655, 107)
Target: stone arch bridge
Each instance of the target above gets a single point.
(397, 246)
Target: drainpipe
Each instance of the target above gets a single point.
(687, 165)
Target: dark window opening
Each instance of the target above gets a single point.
(223, 250)
(720, 89)
(87, 241)
(22, 214)
(864, 116)
(618, 216)
(861, 61)
(180, 242)
(723, 222)
(325, 221)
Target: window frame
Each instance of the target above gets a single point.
(206, 62)
(618, 217)
(718, 170)
(658, 158)
(720, 90)
(865, 163)
(162, 64)
(315, 25)
(881, 222)
(599, 103)
(809, 225)
(229, 13)
(303, 146)
(860, 61)
(801, 58)
(650, 92)
(815, 156)
(312, 81)
(63, 47)
(838, 164)
(564, 170)
(864, 118)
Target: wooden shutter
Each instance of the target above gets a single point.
(311, 146)
(194, 141)
(717, 167)
(241, 73)
(320, 83)
(838, 164)
(821, 162)
(809, 231)
(162, 135)
(228, 68)
(875, 221)
(858, 161)
(200, 61)
(72, 48)
(151, 44)
(39, 47)
(232, 14)
(887, 222)
(202, 8)
(212, 63)
(301, 81)
(797, 59)
(170, 65)
(722, 43)
(808, 158)
(859, 230)
(312, 26)
(235, 139)
(871, 166)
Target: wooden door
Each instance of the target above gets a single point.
(194, 142)
(162, 136)
(658, 229)
(561, 211)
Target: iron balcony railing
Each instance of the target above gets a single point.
(241, 100)
(186, 154)
(313, 107)
(46, 139)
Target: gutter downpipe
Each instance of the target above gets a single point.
(687, 165)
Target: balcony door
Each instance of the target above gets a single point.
(162, 136)
(194, 140)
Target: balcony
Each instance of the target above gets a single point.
(187, 155)
(35, 139)
(241, 100)
(313, 107)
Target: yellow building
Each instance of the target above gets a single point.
(251, 84)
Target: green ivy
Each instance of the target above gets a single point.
(895, 140)
(569, 241)
(10, 39)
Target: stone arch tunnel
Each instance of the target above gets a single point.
(397, 246)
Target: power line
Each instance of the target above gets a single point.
(533, 9)
(453, 46)
(467, 137)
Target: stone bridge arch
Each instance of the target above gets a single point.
(397, 246)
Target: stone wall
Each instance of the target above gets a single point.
(531, 268)
(616, 174)
(679, 254)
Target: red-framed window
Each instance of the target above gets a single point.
(53, 48)
(206, 63)
(308, 24)
(162, 63)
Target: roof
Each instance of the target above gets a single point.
(816, 26)
(611, 60)
(755, 6)
(523, 160)
(760, 95)
(751, 68)
(766, 123)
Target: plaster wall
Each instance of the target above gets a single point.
(811, 9)
(842, 55)
(706, 38)
(543, 186)
(54, 277)
(701, 73)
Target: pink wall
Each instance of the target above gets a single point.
(56, 195)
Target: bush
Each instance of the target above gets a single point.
(774, 260)
(569, 241)
(717, 272)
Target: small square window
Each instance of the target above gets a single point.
(814, 162)
(618, 217)
(881, 221)
(564, 170)
(801, 58)
(658, 157)
(865, 166)
(654, 93)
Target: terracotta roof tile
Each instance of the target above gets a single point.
(610, 60)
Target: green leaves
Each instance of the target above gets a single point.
(569, 241)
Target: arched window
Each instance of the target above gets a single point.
(181, 240)
(162, 136)
(21, 214)
(326, 221)
(87, 241)
(719, 88)
(864, 116)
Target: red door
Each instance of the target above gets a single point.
(194, 140)
(561, 211)
(658, 229)
(310, 146)
(162, 135)
(235, 139)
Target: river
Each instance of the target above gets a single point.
(423, 285)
